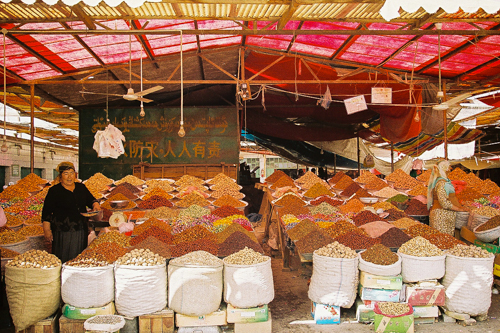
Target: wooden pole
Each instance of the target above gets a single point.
(445, 125)
(392, 156)
(359, 163)
(32, 128)
(334, 163)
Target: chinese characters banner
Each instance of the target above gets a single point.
(211, 138)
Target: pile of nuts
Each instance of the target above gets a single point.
(235, 193)
(188, 180)
(366, 177)
(159, 184)
(10, 237)
(308, 180)
(98, 181)
(220, 178)
(380, 255)
(404, 223)
(323, 208)
(246, 257)
(105, 319)
(336, 250)
(141, 257)
(163, 213)
(487, 211)
(424, 176)
(131, 180)
(86, 262)
(192, 199)
(470, 251)
(420, 247)
(443, 241)
(227, 200)
(393, 308)
(201, 258)
(376, 184)
(30, 231)
(112, 236)
(35, 259)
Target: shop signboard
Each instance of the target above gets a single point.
(211, 137)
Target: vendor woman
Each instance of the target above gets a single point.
(63, 225)
(441, 200)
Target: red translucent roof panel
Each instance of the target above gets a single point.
(211, 41)
(278, 42)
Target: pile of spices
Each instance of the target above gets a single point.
(220, 178)
(106, 214)
(188, 180)
(14, 191)
(418, 190)
(134, 214)
(395, 214)
(486, 211)
(282, 182)
(125, 191)
(308, 180)
(338, 176)
(443, 241)
(365, 177)
(416, 207)
(226, 211)
(289, 200)
(154, 202)
(132, 188)
(227, 200)
(473, 181)
(232, 228)
(386, 192)
(99, 182)
(228, 184)
(30, 231)
(394, 238)
(357, 241)
(350, 190)
(6, 253)
(398, 198)
(421, 230)
(312, 241)
(376, 184)
(133, 180)
(112, 236)
(341, 227)
(159, 192)
(364, 217)
(343, 183)
(317, 190)
(192, 199)
(489, 187)
(406, 182)
(237, 241)
(328, 199)
(385, 206)
(457, 174)
(492, 223)
(110, 250)
(352, 206)
(154, 245)
(277, 174)
(362, 193)
(323, 208)
(302, 229)
(10, 237)
(13, 220)
(380, 254)
(295, 210)
(424, 176)
(207, 244)
(118, 197)
(164, 185)
(231, 192)
(404, 223)
(163, 213)
(397, 174)
(191, 234)
(159, 233)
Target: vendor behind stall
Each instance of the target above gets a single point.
(63, 224)
(417, 168)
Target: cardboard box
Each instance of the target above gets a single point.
(364, 313)
(403, 324)
(158, 322)
(419, 294)
(260, 327)
(381, 282)
(467, 234)
(425, 311)
(380, 295)
(325, 314)
(67, 325)
(47, 325)
(247, 315)
(212, 319)
(72, 312)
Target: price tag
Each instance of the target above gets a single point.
(355, 104)
(381, 95)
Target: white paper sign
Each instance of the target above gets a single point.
(355, 104)
(381, 95)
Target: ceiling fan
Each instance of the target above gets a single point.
(131, 95)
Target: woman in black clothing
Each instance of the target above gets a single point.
(63, 225)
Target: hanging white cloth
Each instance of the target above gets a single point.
(108, 143)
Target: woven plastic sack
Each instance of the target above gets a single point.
(38, 243)
(248, 286)
(19, 247)
(475, 220)
(140, 290)
(194, 290)
(87, 287)
(461, 219)
(416, 269)
(468, 284)
(382, 270)
(334, 281)
(33, 294)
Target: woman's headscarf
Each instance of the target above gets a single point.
(438, 172)
(63, 166)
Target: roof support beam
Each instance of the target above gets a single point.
(289, 48)
(84, 17)
(288, 14)
(145, 45)
(198, 46)
(348, 42)
(35, 54)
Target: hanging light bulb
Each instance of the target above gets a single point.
(417, 117)
(181, 132)
(142, 113)
(4, 147)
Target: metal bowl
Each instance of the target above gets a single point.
(117, 204)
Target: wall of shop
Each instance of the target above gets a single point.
(15, 163)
